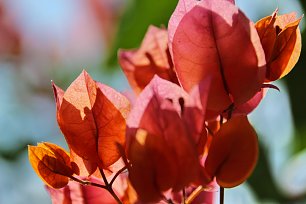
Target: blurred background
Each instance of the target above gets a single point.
(54, 40)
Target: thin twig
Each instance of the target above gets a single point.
(109, 187)
(194, 194)
(210, 131)
(221, 119)
(103, 177)
(88, 183)
(230, 111)
(184, 196)
(221, 195)
(117, 174)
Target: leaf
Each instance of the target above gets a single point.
(233, 153)
(75, 193)
(92, 119)
(281, 39)
(51, 163)
(153, 57)
(205, 41)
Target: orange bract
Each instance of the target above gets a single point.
(233, 152)
(281, 40)
(51, 163)
(92, 118)
(153, 167)
(151, 58)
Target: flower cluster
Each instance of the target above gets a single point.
(187, 129)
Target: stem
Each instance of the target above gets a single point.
(88, 183)
(184, 196)
(221, 119)
(104, 177)
(111, 191)
(221, 195)
(117, 174)
(210, 131)
(109, 187)
(194, 194)
(230, 111)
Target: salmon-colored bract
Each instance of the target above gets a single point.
(153, 57)
(224, 46)
(187, 131)
(233, 152)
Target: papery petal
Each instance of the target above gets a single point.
(51, 163)
(195, 113)
(162, 89)
(168, 125)
(110, 110)
(140, 65)
(224, 45)
(183, 147)
(76, 119)
(281, 40)
(85, 166)
(249, 106)
(58, 95)
(92, 119)
(233, 152)
(153, 168)
(286, 53)
(117, 99)
(157, 110)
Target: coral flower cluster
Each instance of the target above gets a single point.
(187, 128)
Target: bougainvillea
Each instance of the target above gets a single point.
(187, 129)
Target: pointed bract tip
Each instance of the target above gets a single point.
(275, 13)
(84, 72)
(270, 86)
(302, 16)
